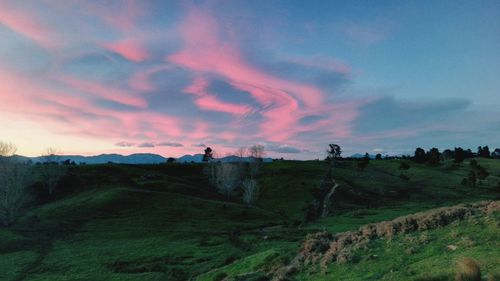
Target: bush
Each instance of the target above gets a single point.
(467, 270)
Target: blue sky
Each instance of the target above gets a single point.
(165, 77)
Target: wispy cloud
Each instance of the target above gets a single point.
(146, 144)
(116, 73)
(171, 144)
(125, 144)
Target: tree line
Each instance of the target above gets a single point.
(458, 154)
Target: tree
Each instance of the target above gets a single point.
(378, 156)
(256, 151)
(468, 153)
(484, 152)
(250, 191)
(256, 154)
(7, 149)
(420, 156)
(333, 153)
(241, 153)
(170, 160)
(226, 178)
(363, 162)
(434, 156)
(447, 154)
(459, 155)
(15, 178)
(51, 171)
(496, 153)
(208, 154)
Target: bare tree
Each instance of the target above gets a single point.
(210, 168)
(256, 151)
(7, 149)
(227, 178)
(250, 191)
(14, 181)
(256, 154)
(241, 153)
(51, 170)
(50, 156)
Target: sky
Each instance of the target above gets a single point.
(172, 77)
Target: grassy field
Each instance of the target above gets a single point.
(165, 222)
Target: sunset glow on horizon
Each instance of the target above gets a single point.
(170, 77)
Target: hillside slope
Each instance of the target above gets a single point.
(165, 222)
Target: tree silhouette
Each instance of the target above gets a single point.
(434, 156)
(459, 155)
(333, 153)
(363, 162)
(419, 156)
(208, 154)
(483, 152)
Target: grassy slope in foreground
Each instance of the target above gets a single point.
(120, 222)
(420, 255)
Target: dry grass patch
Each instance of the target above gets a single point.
(467, 270)
(325, 248)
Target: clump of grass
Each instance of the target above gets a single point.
(468, 270)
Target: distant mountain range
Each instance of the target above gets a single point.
(359, 155)
(198, 158)
(138, 158)
(372, 156)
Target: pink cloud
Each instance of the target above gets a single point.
(129, 49)
(66, 113)
(104, 92)
(284, 102)
(28, 24)
(141, 80)
(206, 101)
(204, 50)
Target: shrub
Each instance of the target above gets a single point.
(467, 270)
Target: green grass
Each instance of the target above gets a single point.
(165, 222)
(421, 255)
